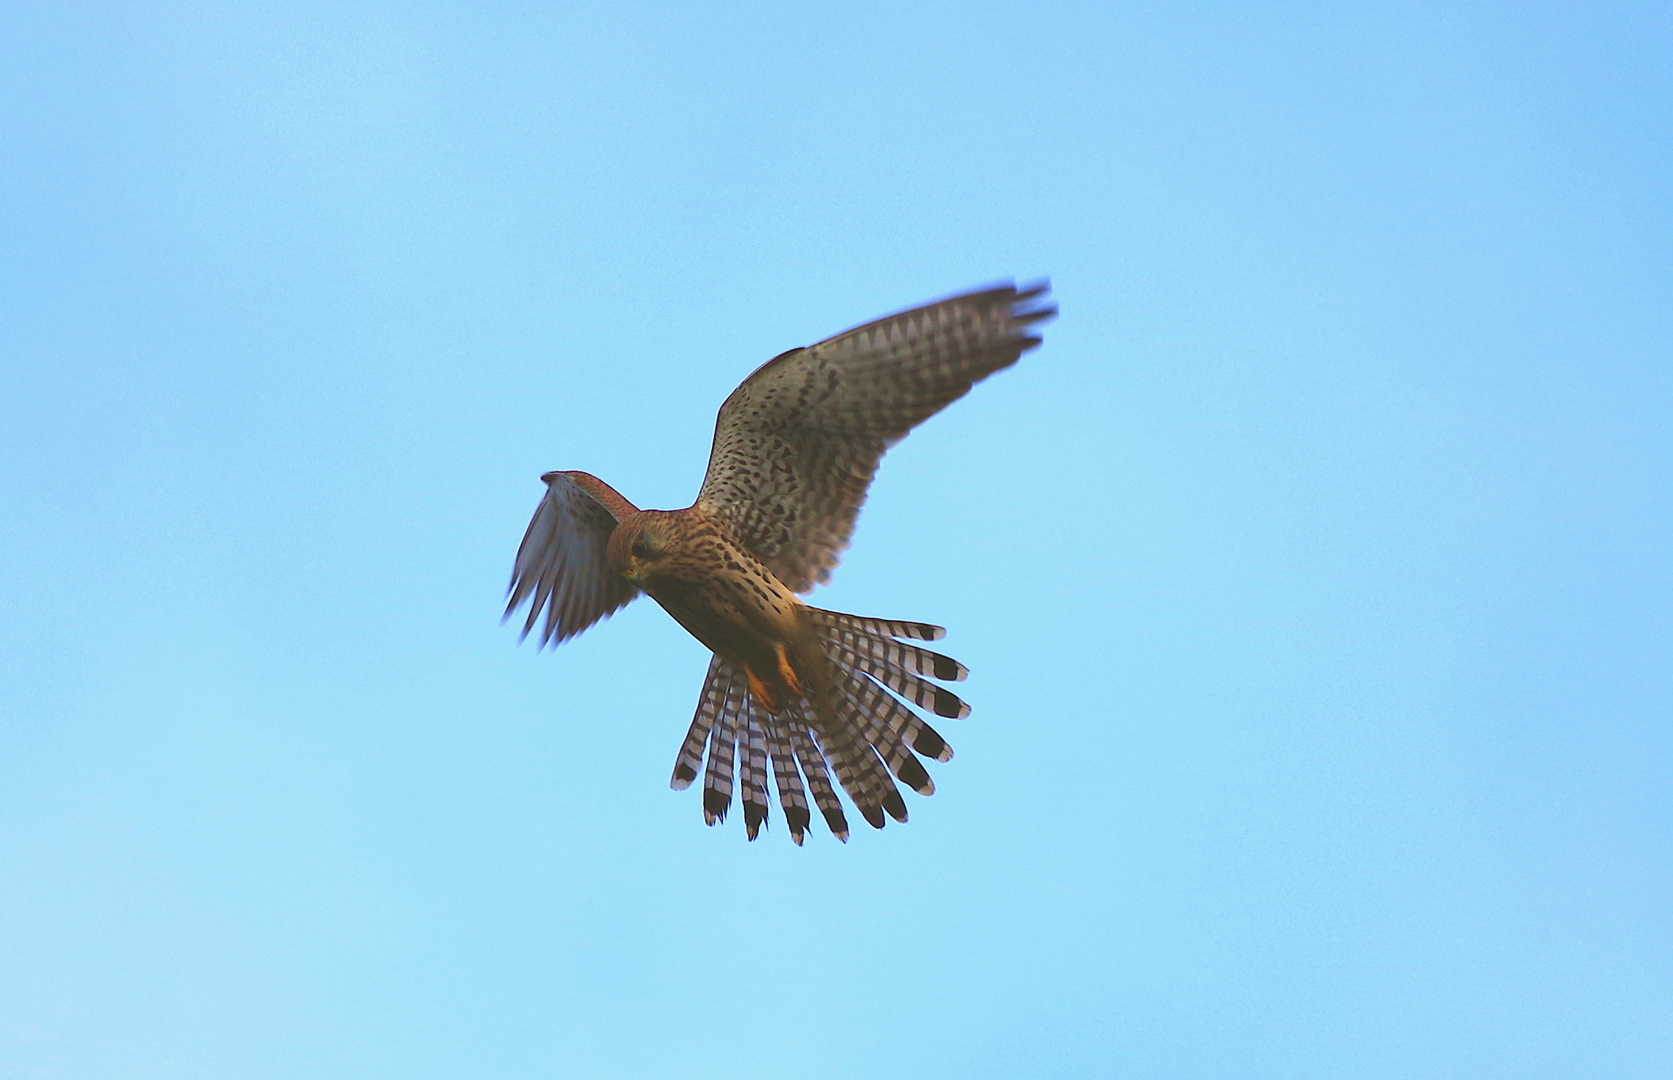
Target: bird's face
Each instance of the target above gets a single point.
(640, 545)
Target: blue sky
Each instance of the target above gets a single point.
(1314, 577)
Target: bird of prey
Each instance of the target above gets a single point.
(812, 692)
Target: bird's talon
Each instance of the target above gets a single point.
(759, 691)
(787, 672)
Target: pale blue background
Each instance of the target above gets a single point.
(1314, 577)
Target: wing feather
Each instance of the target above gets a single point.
(796, 445)
(561, 569)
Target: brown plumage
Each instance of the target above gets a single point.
(794, 691)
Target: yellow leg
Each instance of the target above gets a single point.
(787, 673)
(760, 691)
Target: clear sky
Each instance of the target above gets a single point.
(1315, 577)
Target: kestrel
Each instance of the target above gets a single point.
(796, 444)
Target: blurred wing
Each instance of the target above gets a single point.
(797, 444)
(561, 566)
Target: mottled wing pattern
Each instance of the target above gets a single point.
(797, 443)
(561, 568)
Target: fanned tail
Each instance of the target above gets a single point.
(860, 730)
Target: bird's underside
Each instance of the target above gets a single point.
(793, 691)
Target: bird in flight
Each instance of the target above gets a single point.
(812, 692)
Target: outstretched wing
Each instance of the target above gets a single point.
(797, 443)
(561, 566)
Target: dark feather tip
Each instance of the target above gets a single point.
(796, 819)
(929, 743)
(895, 805)
(755, 815)
(683, 776)
(912, 774)
(873, 815)
(838, 824)
(715, 804)
(946, 668)
(948, 704)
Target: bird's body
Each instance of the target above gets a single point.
(724, 597)
(795, 449)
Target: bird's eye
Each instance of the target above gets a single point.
(640, 549)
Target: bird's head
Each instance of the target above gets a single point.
(641, 544)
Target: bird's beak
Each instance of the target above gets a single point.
(631, 570)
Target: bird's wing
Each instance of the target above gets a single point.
(561, 565)
(797, 443)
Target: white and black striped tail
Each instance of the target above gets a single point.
(871, 740)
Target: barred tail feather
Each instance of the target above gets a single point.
(910, 726)
(861, 774)
(883, 720)
(752, 761)
(717, 778)
(873, 649)
(836, 620)
(709, 703)
(790, 793)
(812, 762)
(920, 692)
